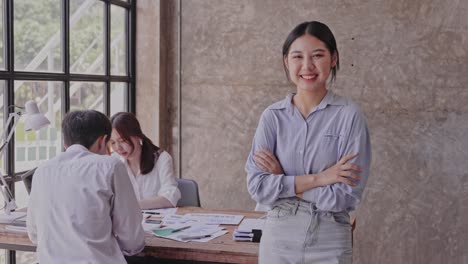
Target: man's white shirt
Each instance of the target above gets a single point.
(82, 209)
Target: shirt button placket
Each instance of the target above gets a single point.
(302, 150)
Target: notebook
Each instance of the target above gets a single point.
(250, 230)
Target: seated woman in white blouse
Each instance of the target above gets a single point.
(150, 168)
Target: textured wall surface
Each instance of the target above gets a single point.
(148, 61)
(405, 63)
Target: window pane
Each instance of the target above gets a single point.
(86, 95)
(21, 195)
(2, 121)
(2, 163)
(118, 98)
(37, 35)
(32, 147)
(118, 41)
(87, 37)
(23, 257)
(2, 61)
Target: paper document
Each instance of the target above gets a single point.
(216, 219)
(212, 236)
(13, 216)
(195, 232)
(160, 212)
(16, 229)
(249, 224)
(148, 228)
(176, 219)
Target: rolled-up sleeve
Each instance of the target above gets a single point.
(339, 196)
(169, 188)
(126, 214)
(266, 188)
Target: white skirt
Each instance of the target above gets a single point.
(295, 232)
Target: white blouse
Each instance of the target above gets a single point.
(161, 181)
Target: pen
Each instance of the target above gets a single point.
(151, 221)
(180, 229)
(151, 213)
(193, 237)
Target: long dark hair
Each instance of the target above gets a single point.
(318, 30)
(127, 126)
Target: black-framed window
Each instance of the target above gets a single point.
(65, 55)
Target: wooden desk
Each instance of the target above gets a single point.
(221, 249)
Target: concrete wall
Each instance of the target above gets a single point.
(405, 63)
(157, 72)
(148, 51)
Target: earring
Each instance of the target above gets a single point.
(141, 142)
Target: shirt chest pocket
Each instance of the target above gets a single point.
(328, 149)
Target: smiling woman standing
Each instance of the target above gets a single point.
(310, 158)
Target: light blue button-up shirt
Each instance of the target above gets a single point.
(335, 128)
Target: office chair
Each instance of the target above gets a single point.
(27, 179)
(189, 190)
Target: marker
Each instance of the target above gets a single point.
(153, 221)
(193, 237)
(180, 229)
(151, 213)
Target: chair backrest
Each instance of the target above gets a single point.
(189, 190)
(27, 179)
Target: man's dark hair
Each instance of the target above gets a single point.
(85, 127)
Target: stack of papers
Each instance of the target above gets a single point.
(12, 217)
(189, 227)
(249, 230)
(197, 232)
(216, 219)
(16, 222)
(151, 218)
(16, 229)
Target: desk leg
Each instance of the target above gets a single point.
(10, 257)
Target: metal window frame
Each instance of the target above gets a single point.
(9, 75)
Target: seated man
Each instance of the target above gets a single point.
(82, 207)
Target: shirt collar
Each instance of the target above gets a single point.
(286, 103)
(76, 147)
(329, 99)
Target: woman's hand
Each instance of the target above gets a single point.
(266, 161)
(340, 172)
